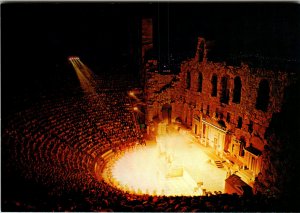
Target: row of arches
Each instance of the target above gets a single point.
(262, 100)
(224, 96)
(199, 79)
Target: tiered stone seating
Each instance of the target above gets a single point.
(56, 143)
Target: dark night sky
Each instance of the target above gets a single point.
(37, 38)
(99, 29)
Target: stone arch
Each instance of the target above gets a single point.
(222, 123)
(242, 145)
(178, 120)
(214, 85)
(224, 98)
(240, 122)
(167, 112)
(237, 90)
(263, 96)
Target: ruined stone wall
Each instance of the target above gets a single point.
(160, 89)
(192, 105)
(246, 109)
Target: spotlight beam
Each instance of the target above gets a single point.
(84, 75)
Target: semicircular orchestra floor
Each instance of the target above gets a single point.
(173, 166)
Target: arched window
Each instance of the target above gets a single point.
(262, 100)
(225, 91)
(221, 115)
(214, 82)
(228, 117)
(237, 90)
(242, 146)
(200, 79)
(240, 122)
(188, 80)
(250, 127)
(217, 113)
(207, 110)
(222, 123)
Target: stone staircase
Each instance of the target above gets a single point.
(219, 164)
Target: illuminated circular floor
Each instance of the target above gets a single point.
(172, 166)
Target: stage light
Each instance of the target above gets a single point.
(73, 58)
(84, 75)
(135, 108)
(131, 93)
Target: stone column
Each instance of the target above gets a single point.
(206, 134)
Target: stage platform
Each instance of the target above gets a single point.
(144, 170)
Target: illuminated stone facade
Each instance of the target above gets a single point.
(227, 108)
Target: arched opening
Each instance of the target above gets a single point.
(207, 110)
(155, 118)
(214, 82)
(222, 123)
(250, 127)
(217, 113)
(178, 120)
(200, 79)
(237, 90)
(201, 52)
(188, 80)
(262, 100)
(242, 146)
(167, 112)
(228, 117)
(240, 122)
(225, 91)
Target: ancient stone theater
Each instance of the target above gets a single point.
(129, 132)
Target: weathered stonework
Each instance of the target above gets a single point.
(232, 122)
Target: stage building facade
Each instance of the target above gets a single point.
(227, 108)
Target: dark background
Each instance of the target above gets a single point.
(37, 38)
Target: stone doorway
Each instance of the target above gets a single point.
(167, 113)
